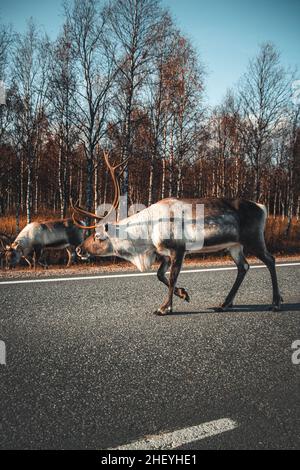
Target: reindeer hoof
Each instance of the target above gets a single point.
(161, 312)
(183, 294)
(219, 309)
(223, 308)
(275, 308)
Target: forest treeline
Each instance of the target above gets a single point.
(122, 77)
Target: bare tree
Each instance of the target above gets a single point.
(186, 88)
(158, 98)
(134, 26)
(264, 95)
(292, 164)
(94, 75)
(30, 71)
(226, 148)
(62, 91)
(5, 46)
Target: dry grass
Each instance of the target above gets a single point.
(277, 238)
(8, 222)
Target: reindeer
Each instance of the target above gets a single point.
(225, 224)
(37, 237)
(4, 241)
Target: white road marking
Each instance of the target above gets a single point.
(116, 276)
(173, 440)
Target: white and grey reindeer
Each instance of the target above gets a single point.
(37, 237)
(225, 224)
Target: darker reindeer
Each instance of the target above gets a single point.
(37, 237)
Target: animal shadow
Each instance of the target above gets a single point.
(251, 308)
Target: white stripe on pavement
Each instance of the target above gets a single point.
(172, 440)
(111, 276)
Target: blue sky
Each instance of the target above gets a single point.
(226, 33)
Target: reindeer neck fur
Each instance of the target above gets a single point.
(136, 248)
(140, 254)
(143, 235)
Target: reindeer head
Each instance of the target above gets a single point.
(98, 243)
(12, 255)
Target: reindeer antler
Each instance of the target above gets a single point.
(78, 210)
(2, 244)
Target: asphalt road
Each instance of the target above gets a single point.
(90, 366)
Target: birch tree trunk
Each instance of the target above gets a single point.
(171, 164)
(95, 189)
(163, 180)
(29, 192)
(60, 183)
(150, 190)
(178, 188)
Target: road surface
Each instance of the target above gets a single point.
(88, 365)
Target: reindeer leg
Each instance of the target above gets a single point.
(69, 257)
(161, 274)
(269, 261)
(41, 258)
(44, 263)
(34, 259)
(176, 263)
(28, 262)
(243, 266)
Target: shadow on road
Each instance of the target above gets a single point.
(262, 308)
(243, 308)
